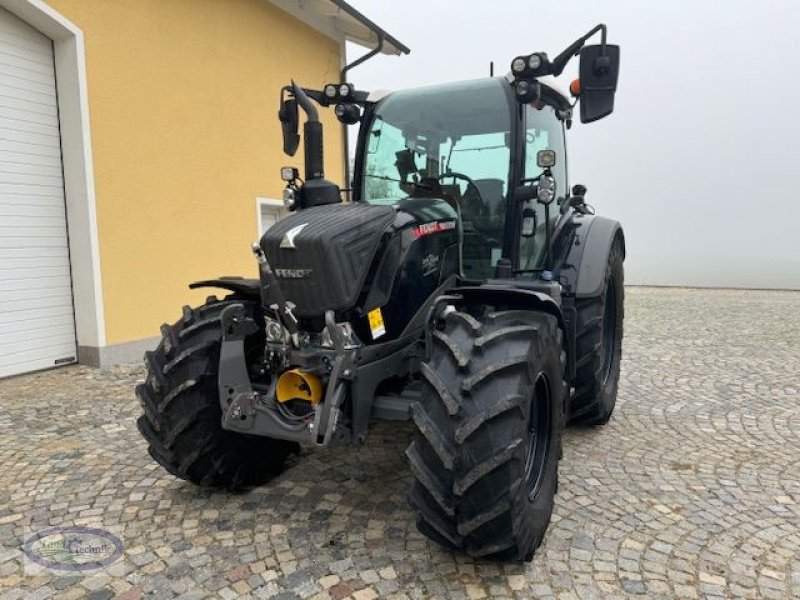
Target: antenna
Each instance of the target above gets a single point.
(491, 68)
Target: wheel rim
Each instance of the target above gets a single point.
(609, 329)
(539, 431)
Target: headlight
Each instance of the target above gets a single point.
(534, 61)
(330, 90)
(344, 90)
(546, 189)
(288, 198)
(274, 331)
(518, 65)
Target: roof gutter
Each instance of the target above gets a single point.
(364, 58)
(380, 33)
(382, 38)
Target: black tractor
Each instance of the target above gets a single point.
(462, 287)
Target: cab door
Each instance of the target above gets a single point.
(543, 130)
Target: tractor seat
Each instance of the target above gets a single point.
(491, 191)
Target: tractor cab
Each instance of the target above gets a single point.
(472, 144)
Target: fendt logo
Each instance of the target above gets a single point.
(288, 237)
(433, 227)
(293, 273)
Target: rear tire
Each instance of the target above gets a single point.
(599, 347)
(182, 415)
(485, 453)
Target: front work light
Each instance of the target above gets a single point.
(518, 65)
(338, 92)
(349, 114)
(546, 159)
(288, 174)
(534, 61)
(526, 90)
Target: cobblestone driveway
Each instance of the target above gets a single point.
(692, 490)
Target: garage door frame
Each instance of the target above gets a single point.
(73, 107)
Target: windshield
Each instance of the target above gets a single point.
(450, 142)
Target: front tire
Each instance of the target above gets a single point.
(182, 420)
(488, 433)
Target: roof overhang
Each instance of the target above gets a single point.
(340, 21)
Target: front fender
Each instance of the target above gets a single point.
(248, 288)
(513, 297)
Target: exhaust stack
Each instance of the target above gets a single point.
(316, 190)
(312, 135)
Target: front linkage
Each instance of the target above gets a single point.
(246, 410)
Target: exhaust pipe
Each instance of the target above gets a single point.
(316, 191)
(312, 135)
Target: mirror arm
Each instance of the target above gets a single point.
(560, 61)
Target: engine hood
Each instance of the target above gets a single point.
(322, 255)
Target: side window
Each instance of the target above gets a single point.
(381, 183)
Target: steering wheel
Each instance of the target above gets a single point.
(469, 181)
(474, 216)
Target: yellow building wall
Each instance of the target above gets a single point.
(183, 102)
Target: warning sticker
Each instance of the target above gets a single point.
(376, 323)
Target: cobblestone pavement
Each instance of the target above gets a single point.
(692, 490)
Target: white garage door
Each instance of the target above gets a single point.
(37, 328)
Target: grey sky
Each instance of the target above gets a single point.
(700, 160)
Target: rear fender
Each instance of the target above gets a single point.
(583, 272)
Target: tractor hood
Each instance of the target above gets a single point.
(321, 256)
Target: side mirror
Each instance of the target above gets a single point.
(599, 70)
(289, 123)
